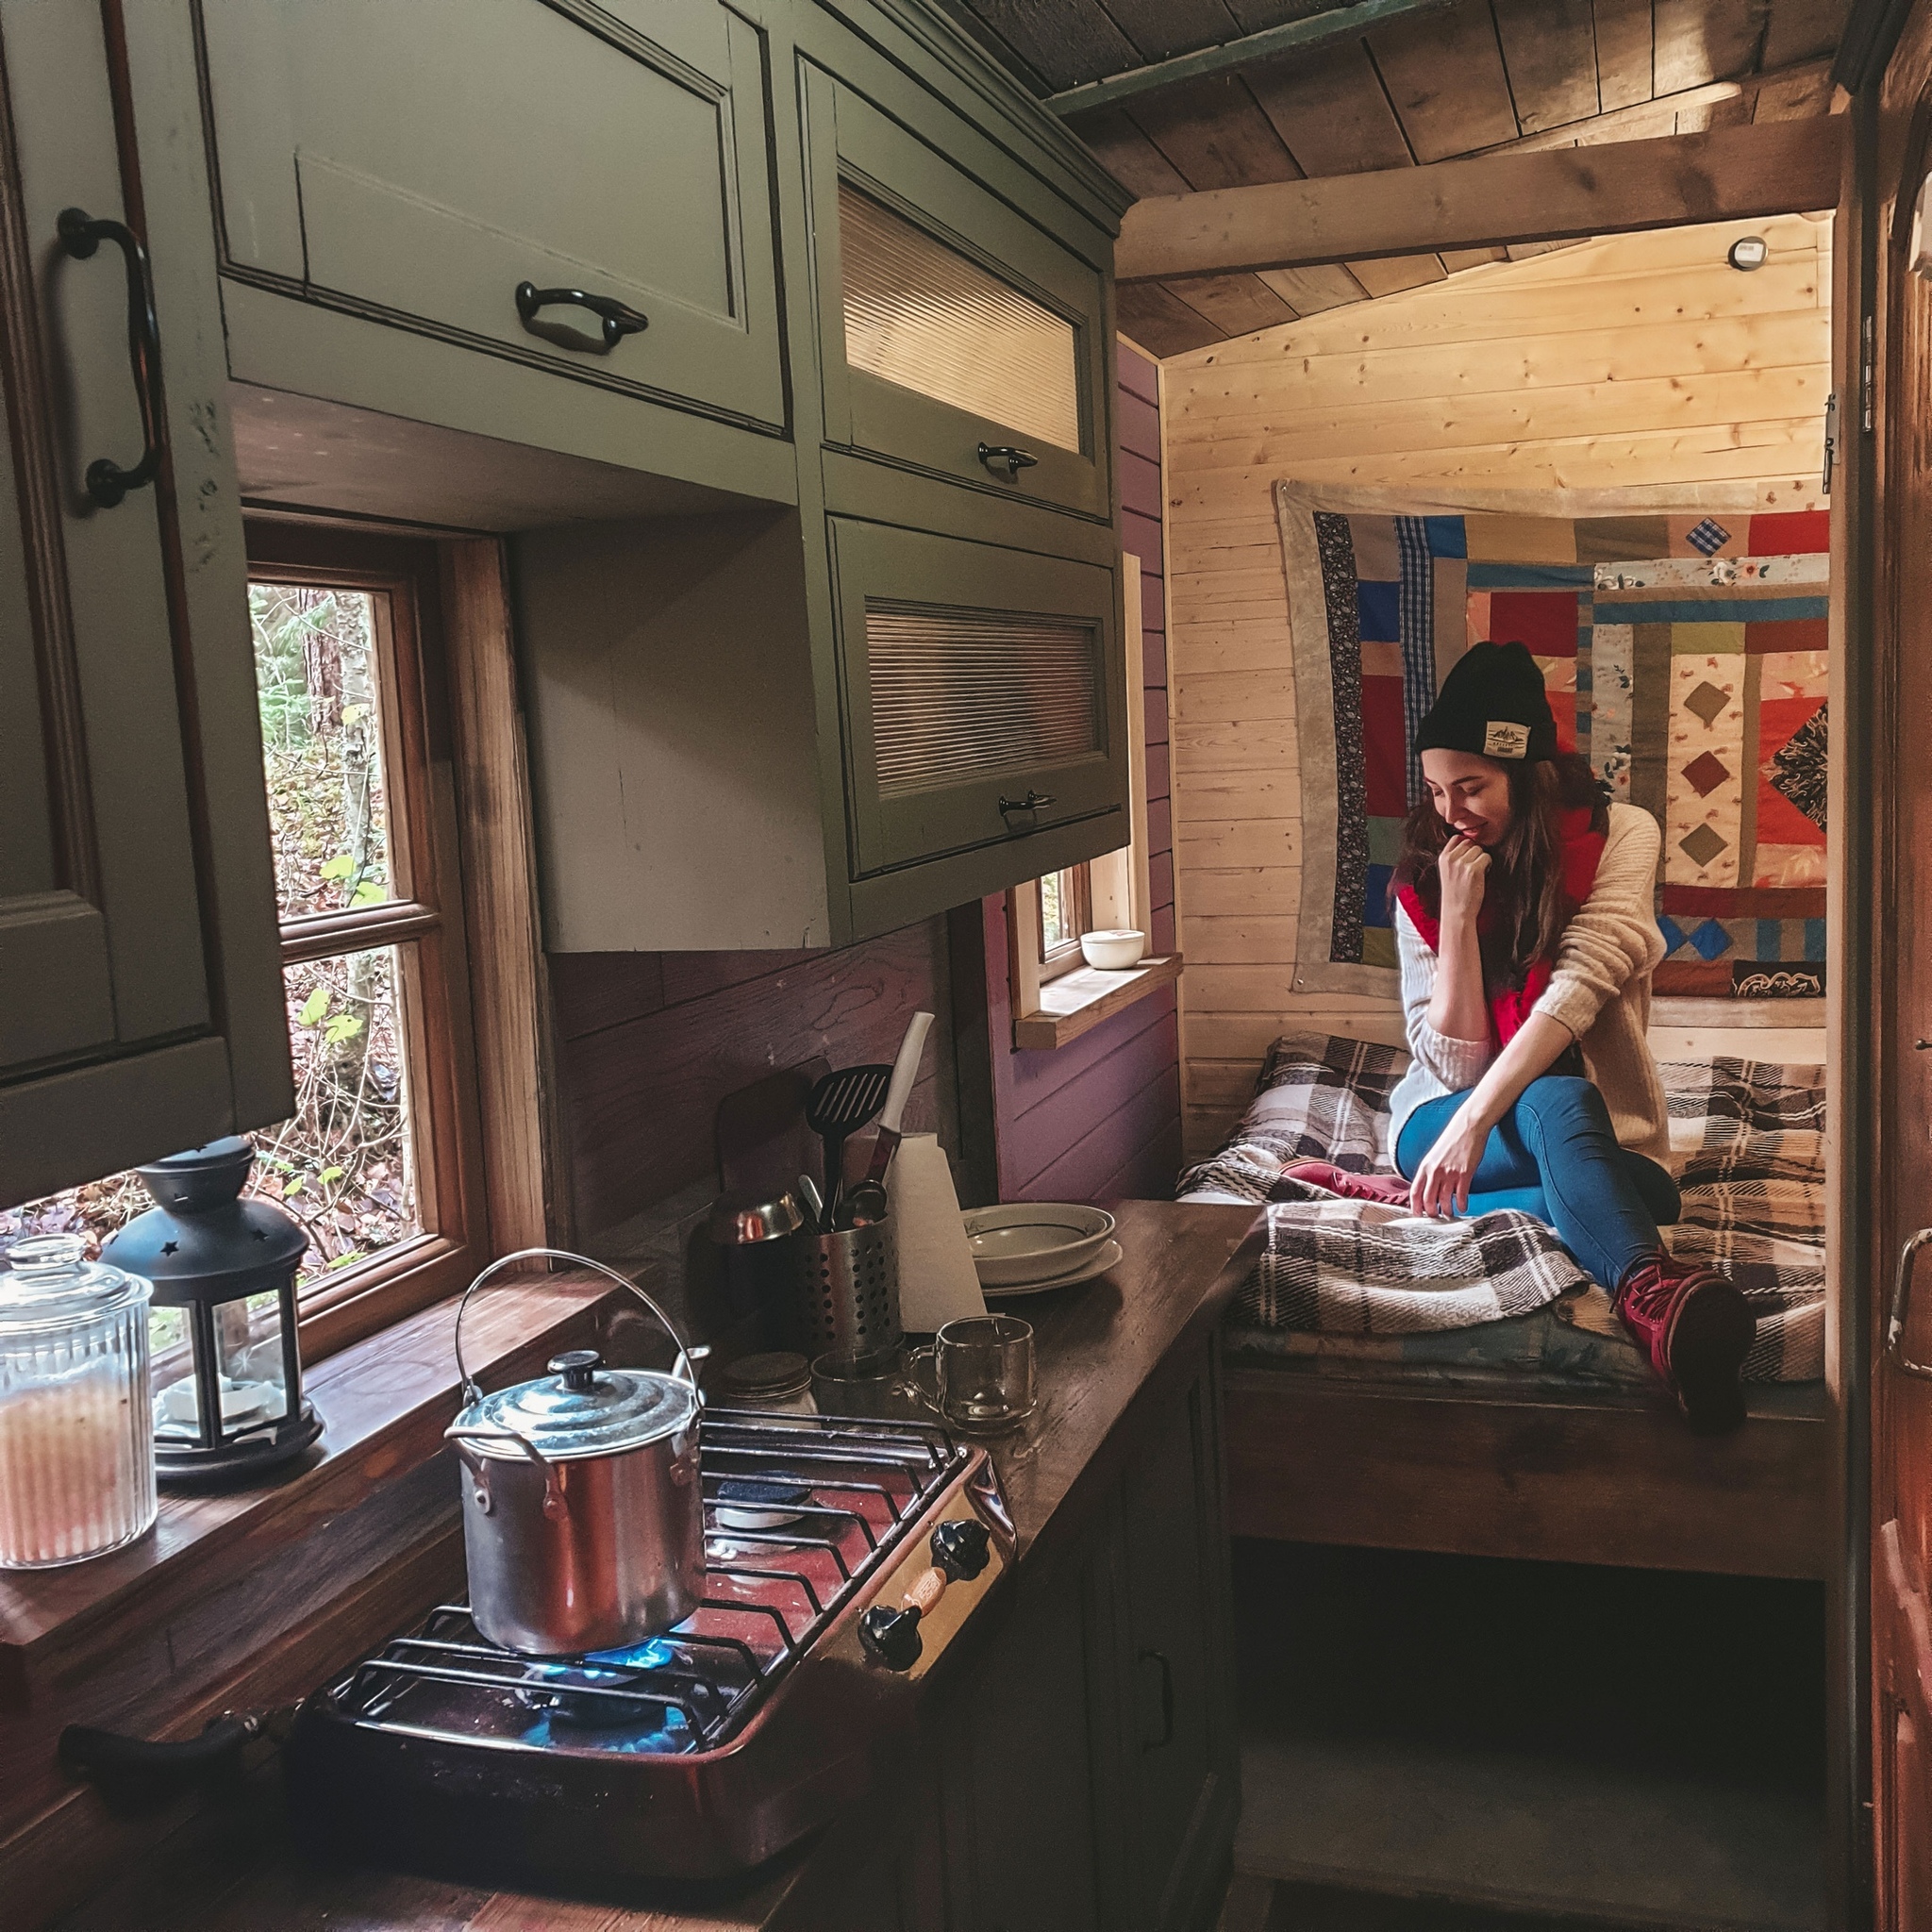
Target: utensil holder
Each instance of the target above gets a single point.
(845, 1289)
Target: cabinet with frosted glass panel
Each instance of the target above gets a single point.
(963, 311)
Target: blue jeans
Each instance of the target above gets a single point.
(1555, 1154)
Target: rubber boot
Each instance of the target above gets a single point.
(1696, 1327)
(1386, 1190)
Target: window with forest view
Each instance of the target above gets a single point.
(1065, 914)
(369, 962)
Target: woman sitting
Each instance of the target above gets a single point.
(1526, 940)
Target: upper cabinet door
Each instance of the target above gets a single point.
(985, 692)
(583, 188)
(114, 1043)
(960, 338)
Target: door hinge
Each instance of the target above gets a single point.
(1830, 440)
(1868, 379)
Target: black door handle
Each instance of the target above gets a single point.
(1166, 1736)
(80, 235)
(1032, 802)
(1004, 456)
(618, 319)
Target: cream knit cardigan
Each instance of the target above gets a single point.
(1599, 989)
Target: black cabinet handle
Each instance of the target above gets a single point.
(1032, 802)
(1166, 1736)
(80, 235)
(618, 319)
(1004, 456)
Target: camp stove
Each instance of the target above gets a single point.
(846, 1560)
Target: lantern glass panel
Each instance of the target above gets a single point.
(252, 1374)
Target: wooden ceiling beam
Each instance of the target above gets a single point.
(1557, 195)
(1292, 37)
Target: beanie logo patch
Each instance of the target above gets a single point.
(1505, 738)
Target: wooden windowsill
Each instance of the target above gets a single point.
(1077, 1002)
(383, 1401)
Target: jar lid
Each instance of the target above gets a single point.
(49, 1282)
(583, 1408)
(764, 1376)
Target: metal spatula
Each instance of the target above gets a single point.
(841, 1104)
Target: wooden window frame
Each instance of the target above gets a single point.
(1053, 960)
(469, 962)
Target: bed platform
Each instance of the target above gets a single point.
(1587, 1476)
(1544, 1435)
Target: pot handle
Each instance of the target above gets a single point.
(683, 1366)
(554, 1504)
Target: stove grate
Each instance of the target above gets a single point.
(866, 1484)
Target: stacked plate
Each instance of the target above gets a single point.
(1028, 1247)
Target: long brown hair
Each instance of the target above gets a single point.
(1528, 908)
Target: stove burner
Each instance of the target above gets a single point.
(771, 1496)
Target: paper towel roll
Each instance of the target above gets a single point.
(937, 1282)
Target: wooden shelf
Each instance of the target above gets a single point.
(1077, 1002)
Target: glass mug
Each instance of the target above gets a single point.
(982, 1373)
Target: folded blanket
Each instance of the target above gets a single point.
(1747, 1144)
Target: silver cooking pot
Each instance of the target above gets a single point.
(583, 1510)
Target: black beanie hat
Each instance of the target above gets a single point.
(1492, 705)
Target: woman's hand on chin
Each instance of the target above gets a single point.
(1462, 867)
(1441, 1184)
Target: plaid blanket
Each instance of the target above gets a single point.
(1747, 1141)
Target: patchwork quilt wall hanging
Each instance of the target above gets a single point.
(1683, 642)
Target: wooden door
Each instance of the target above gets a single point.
(1896, 157)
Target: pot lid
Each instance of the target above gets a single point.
(583, 1408)
(48, 1282)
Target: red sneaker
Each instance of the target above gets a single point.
(1388, 1190)
(1696, 1328)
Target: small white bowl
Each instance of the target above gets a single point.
(1032, 1241)
(1114, 950)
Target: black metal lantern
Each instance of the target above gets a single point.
(226, 1372)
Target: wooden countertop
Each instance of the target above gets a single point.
(1103, 1350)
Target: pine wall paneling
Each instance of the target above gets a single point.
(1638, 360)
(1101, 1116)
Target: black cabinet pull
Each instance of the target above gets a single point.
(1032, 802)
(1166, 1736)
(80, 235)
(618, 319)
(1004, 456)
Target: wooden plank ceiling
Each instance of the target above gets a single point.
(1468, 77)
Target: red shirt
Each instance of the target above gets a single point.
(1509, 1008)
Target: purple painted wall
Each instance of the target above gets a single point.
(1103, 1116)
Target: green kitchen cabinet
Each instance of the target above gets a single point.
(985, 695)
(544, 222)
(963, 337)
(140, 996)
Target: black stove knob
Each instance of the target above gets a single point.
(960, 1548)
(891, 1637)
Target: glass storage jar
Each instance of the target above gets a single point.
(77, 1442)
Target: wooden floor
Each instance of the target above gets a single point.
(1269, 1905)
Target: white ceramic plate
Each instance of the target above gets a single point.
(1109, 1257)
(1032, 1241)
